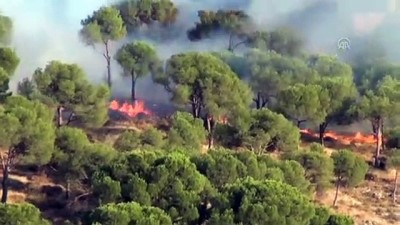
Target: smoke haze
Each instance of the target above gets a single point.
(46, 30)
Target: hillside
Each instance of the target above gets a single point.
(162, 112)
(356, 202)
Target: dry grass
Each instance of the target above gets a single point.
(371, 202)
(365, 203)
(16, 197)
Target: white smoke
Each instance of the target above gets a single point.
(46, 30)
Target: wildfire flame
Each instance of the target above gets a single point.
(357, 138)
(130, 109)
(138, 107)
(220, 119)
(223, 120)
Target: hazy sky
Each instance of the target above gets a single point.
(62, 11)
(47, 30)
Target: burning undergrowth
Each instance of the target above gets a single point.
(343, 138)
(126, 110)
(148, 112)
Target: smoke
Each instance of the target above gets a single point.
(46, 30)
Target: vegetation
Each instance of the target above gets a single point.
(349, 170)
(394, 162)
(136, 14)
(27, 134)
(66, 88)
(5, 29)
(138, 59)
(104, 26)
(21, 214)
(233, 152)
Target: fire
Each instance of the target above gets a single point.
(130, 109)
(357, 138)
(223, 120)
(220, 119)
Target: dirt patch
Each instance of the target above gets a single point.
(371, 203)
(16, 197)
(329, 151)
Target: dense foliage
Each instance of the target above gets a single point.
(232, 154)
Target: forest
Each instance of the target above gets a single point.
(248, 138)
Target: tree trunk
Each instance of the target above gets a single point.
(299, 122)
(210, 141)
(133, 88)
(70, 118)
(395, 187)
(230, 45)
(67, 190)
(4, 183)
(322, 129)
(264, 101)
(258, 100)
(108, 60)
(261, 149)
(196, 108)
(60, 121)
(382, 141)
(337, 192)
(210, 129)
(378, 136)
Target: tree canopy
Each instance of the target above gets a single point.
(349, 169)
(6, 27)
(318, 167)
(136, 13)
(9, 62)
(102, 27)
(27, 134)
(186, 131)
(204, 82)
(66, 87)
(303, 103)
(138, 59)
(269, 130)
(199, 79)
(239, 145)
(229, 22)
(21, 214)
(283, 40)
(128, 213)
(240, 205)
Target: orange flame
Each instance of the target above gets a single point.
(130, 109)
(223, 120)
(220, 119)
(357, 138)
